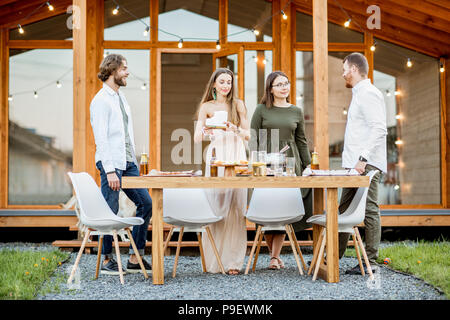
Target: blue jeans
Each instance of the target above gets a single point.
(141, 199)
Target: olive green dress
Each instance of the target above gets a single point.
(291, 131)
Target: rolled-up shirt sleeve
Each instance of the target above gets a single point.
(374, 111)
(99, 121)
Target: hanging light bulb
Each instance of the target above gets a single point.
(256, 32)
(255, 59)
(50, 7)
(264, 61)
(373, 47)
(399, 142)
(58, 84)
(344, 112)
(300, 97)
(396, 187)
(398, 116)
(116, 10)
(347, 23)
(105, 54)
(10, 98)
(180, 43)
(36, 95)
(144, 86)
(388, 94)
(21, 31)
(217, 45)
(145, 33)
(409, 63)
(284, 15)
(441, 68)
(397, 93)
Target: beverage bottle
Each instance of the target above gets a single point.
(315, 160)
(143, 165)
(212, 166)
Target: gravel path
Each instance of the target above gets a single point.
(190, 283)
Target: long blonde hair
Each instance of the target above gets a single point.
(231, 97)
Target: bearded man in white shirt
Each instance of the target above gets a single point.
(115, 157)
(364, 150)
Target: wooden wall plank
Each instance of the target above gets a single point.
(87, 56)
(4, 116)
(320, 57)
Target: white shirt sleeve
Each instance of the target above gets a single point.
(99, 121)
(374, 111)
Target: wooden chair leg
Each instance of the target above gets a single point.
(99, 254)
(366, 259)
(208, 231)
(316, 251)
(320, 257)
(294, 249)
(119, 260)
(298, 248)
(358, 254)
(202, 255)
(180, 236)
(258, 248)
(169, 236)
(83, 244)
(136, 252)
(258, 232)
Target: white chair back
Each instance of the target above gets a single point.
(92, 203)
(276, 204)
(356, 211)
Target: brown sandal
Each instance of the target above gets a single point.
(274, 265)
(233, 272)
(281, 263)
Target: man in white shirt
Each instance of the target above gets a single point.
(115, 156)
(364, 149)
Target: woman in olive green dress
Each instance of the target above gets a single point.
(278, 117)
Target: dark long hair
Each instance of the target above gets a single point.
(267, 98)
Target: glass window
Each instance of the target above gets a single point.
(184, 77)
(40, 126)
(189, 20)
(55, 28)
(258, 65)
(249, 15)
(137, 93)
(128, 20)
(412, 96)
(336, 33)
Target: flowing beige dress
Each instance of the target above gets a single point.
(230, 234)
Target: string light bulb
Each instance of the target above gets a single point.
(388, 93)
(373, 47)
(399, 142)
(58, 84)
(10, 98)
(145, 33)
(21, 31)
(144, 86)
(398, 116)
(409, 63)
(218, 45)
(347, 23)
(264, 61)
(36, 95)
(397, 93)
(344, 112)
(256, 32)
(116, 10)
(180, 43)
(50, 7)
(284, 15)
(441, 68)
(255, 59)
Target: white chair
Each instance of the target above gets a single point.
(188, 210)
(275, 209)
(100, 220)
(348, 222)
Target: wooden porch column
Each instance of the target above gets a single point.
(87, 56)
(4, 117)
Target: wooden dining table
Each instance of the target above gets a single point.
(326, 199)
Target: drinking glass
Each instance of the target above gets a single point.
(290, 166)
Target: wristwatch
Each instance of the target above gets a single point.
(361, 158)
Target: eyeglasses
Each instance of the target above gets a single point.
(281, 85)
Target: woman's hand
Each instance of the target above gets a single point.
(232, 127)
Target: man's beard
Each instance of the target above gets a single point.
(120, 82)
(348, 82)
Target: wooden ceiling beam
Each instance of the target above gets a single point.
(389, 33)
(12, 20)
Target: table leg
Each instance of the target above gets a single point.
(317, 209)
(332, 238)
(157, 237)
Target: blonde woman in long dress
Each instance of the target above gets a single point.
(230, 234)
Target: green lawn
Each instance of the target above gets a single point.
(22, 273)
(429, 261)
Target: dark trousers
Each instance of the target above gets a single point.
(141, 199)
(372, 221)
